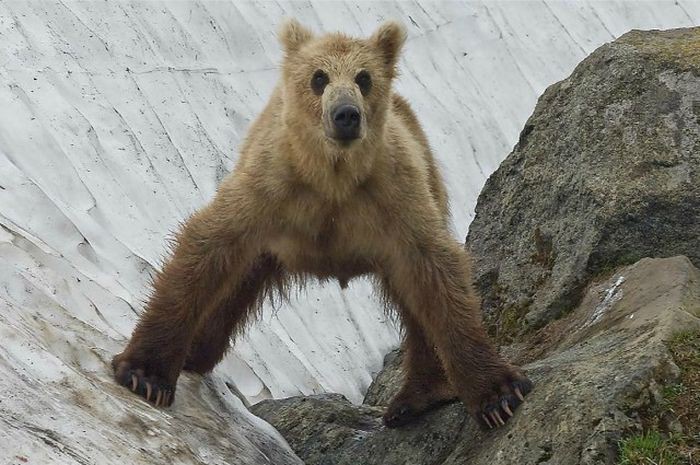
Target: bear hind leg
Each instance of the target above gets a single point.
(425, 385)
(434, 283)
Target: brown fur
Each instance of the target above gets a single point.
(300, 203)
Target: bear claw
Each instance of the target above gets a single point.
(496, 414)
(153, 388)
(506, 408)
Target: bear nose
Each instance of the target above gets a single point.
(346, 119)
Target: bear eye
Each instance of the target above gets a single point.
(319, 81)
(364, 81)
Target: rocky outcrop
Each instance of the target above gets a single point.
(606, 171)
(598, 369)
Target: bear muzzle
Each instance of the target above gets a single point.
(346, 120)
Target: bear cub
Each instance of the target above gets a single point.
(335, 180)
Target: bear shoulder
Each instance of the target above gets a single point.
(405, 114)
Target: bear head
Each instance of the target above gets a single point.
(336, 88)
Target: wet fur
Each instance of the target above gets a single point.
(300, 205)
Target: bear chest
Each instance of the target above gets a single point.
(331, 242)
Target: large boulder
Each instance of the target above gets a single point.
(606, 171)
(598, 370)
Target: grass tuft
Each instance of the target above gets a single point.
(681, 400)
(649, 448)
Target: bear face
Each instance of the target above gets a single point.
(336, 88)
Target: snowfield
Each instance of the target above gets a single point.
(119, 119)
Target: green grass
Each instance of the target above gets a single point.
(686, 345)
(681, 400)
(648, 449)
(671, 392)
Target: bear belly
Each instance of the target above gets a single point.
(318, 259)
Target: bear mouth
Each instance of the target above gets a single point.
(341, 140)
(345, 141)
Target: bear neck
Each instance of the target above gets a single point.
(333, 172)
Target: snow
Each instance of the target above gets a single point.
(117, 121)
(612, 295)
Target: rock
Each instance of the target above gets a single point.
(329, 430)
(606, 171)
(597, 369)
(387, 382)
(320, 424)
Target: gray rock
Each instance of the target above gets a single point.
(387, 382)
(606, 171)
(318, 425)
(328, 430)
(603, 364)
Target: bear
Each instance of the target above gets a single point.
(335, 180)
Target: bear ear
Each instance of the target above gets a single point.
(389, 39)
(293, 35)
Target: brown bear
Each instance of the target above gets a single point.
(335, 180)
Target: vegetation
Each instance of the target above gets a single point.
(648, 449)
(680, 401)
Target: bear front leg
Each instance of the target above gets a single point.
(425, 385)
(207, 263)
(433, 279)
(213, 336)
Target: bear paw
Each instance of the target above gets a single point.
(405, 408)
(155, 389)
(497, 406)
